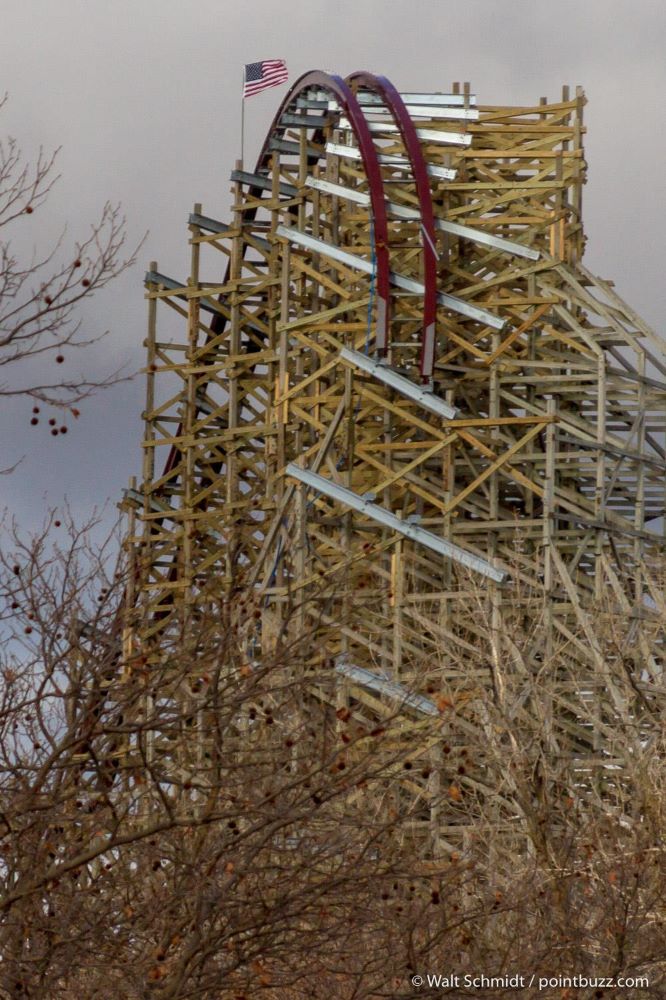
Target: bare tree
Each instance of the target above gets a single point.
(179, 827)
(39, 296)
(198, 825)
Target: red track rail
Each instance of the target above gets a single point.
(347, 99)
(384, 89)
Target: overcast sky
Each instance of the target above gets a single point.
(144, 98)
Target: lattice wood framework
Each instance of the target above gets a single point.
(392, 400)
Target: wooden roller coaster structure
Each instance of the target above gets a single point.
(393, 405)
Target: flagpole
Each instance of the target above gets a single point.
(242, 118)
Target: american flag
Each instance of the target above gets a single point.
(261, 75)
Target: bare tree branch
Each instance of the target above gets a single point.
(39, 299)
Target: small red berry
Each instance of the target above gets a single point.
(35, 409)
(77, 263)
(86, 283)
(34, 421)
(48, 300)
(63, 430)
(52, 421)
(28, 629)
(28, 210)
(57, 523)
(59, 358)
(54, 431)
(75, 412)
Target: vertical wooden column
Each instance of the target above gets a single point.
(600, 484)
(565, 168)
(188, 447)
(394, 564)
(302, 173)
(273, 611)
(277, 314)
(282, 386)
(396, 605)
(557, 248)
(639, 508)
(447, 606)
(547, 708)
(300, 560)
(281, 416)
(347, 587)
(130, 595)
(233, 408)
(435, 795)
(148, 556)
(548, 527)
(495, 593)
(494, 412)
(577, 244)
(532, 340)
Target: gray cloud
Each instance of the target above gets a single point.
(145, 100)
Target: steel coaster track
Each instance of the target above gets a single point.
(344, 92)
(384, 89)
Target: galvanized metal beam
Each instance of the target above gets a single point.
(430, 100)
(412, 531)
(487, 239)
(451, 302)
(411, 215)
(352, 153)
(338, 190)
(382, 685)
(425, 134)
(210, 225)
(403, 385)
(423, 111)
(320, 98)
(263, 182)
